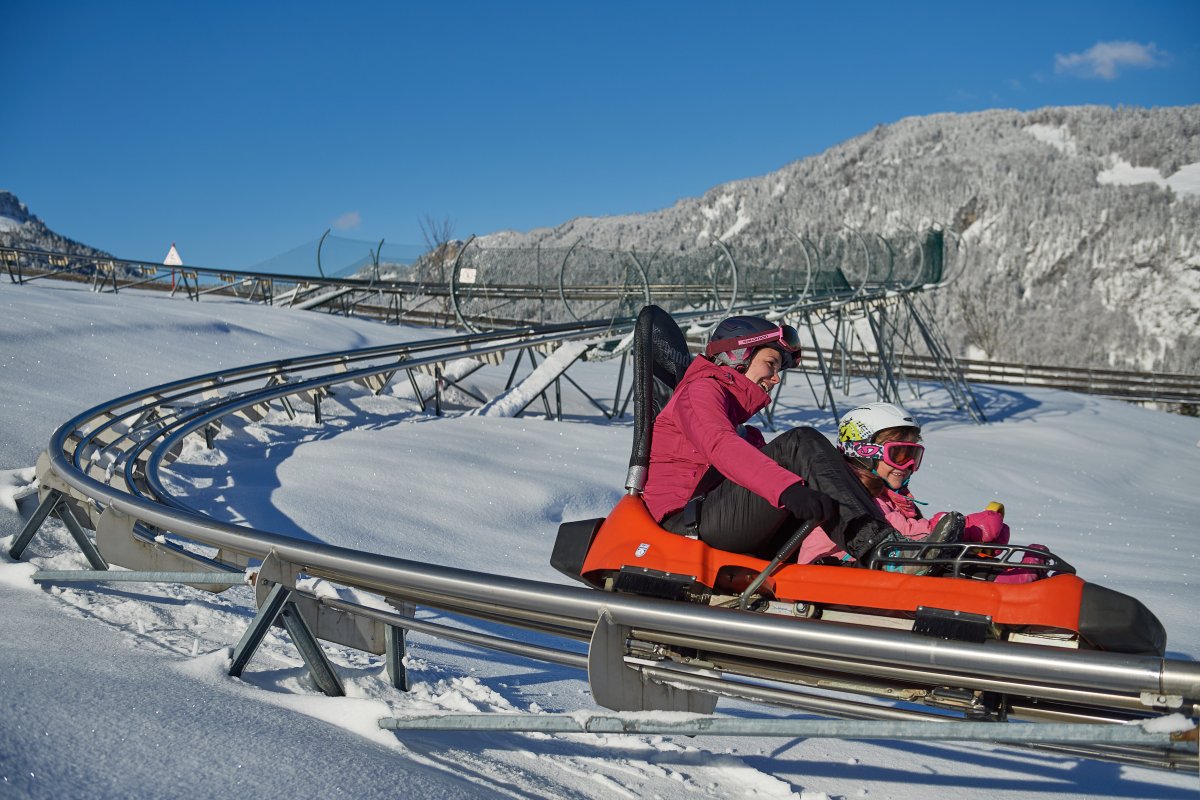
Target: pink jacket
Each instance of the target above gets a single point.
(901, 513)
(699, 428)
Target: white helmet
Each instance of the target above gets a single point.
(862, 423)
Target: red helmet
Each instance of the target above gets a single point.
(734, 342)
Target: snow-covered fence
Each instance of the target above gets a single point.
(481, 288)
(1149, 387)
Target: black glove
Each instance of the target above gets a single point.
(809, 504)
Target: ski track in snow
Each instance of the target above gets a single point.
(397, 482)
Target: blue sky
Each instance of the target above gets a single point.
(241, 130)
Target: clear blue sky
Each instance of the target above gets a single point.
(240, 130)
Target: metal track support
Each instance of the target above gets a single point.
(437, 390)
(620, 687)
(396, 644)
(397, 672)
(123, 576)
(310, 650)
(48, 504)
(279, 606)
(53, 503)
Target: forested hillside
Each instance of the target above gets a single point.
(1081, 225)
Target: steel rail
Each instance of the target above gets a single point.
(174, 434)
(549, 655)
(832, 672)
(1175, 756)
(169, 422)
(782, 640)
(718, 630)
(161, 394)
(230, 280)
(837, 673)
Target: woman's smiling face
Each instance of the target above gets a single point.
(765, 368)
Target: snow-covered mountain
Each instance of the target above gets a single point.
(20, 228)
(1081, 225)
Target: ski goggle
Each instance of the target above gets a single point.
(897, 455)
(785, 337)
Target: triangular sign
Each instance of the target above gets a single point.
(173, 259)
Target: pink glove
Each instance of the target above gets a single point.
(986, 526)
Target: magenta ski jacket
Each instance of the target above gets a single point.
(898, 513)
(901, 513)
(699, 428)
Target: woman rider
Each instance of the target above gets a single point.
(713, 476)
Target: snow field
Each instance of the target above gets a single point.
(121, 690)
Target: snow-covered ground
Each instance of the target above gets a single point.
(1185, 181)
(121, 691)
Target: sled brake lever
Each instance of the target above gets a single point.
(786, 552)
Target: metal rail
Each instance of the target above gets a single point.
(789, 728)
(486, 288)
(1162, 387)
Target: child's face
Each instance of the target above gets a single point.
(893, 477)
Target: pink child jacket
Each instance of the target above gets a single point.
(900, 512)
(699, 428)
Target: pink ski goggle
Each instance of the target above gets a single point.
(785, 337)
(897, 455)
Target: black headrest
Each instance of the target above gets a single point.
(660, 357)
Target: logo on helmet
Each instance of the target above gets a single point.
(852, 431)
(773, 336)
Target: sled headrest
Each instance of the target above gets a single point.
(660, 357)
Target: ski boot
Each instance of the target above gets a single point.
(948, 529)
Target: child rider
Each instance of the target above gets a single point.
(881, 445)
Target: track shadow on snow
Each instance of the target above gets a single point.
(997, 403)
(240, 490)
(1038, 772)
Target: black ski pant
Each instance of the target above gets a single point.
(731, 517)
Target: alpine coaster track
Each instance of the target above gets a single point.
(100, 475)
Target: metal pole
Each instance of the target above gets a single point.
(67, 515)
(48, 504)
(319, 243)
(695, 724)
(121, 576)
